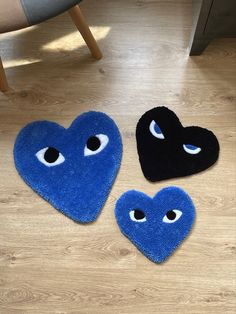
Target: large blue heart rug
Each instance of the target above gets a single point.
(73, 169)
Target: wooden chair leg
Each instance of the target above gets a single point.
(3, 80)
(84, 30)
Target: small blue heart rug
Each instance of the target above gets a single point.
(156, 226)
(73, 169)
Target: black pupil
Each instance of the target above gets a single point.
(51, 155)
(138, 214)
(171, 215)
(93, 143)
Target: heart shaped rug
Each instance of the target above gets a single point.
(167, 150)
(156, 226)
(73, 169)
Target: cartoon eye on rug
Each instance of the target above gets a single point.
(156, 131)
(167, 150)
(172, 216)
(50, 156)
(156, 226)
(137, 215)
(95, 144)
(191, 149)
(73, 169)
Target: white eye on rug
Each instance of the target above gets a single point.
(191, 149)
(50, 157)
(172, 216)
(155, 130)
(95, 144)
(137, 215)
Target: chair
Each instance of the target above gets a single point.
(17, 14)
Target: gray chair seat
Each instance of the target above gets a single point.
(17, 14)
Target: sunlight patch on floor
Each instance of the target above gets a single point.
(10, 35)
(74, 40)
(19, 62)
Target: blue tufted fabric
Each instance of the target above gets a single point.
(73, 169)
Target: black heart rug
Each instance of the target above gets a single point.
(168, 150)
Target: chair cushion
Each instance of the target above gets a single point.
(12, 16)
(38, 11)
(16, 14)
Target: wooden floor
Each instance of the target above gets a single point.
(49, 264)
